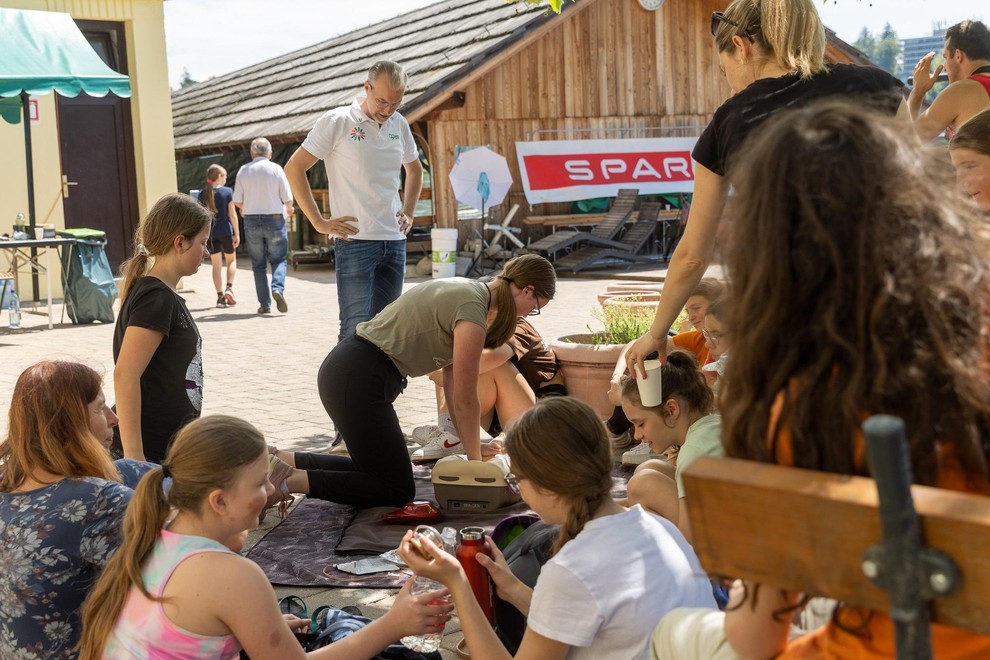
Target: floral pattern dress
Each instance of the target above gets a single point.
(53, 543)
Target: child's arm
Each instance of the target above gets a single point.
(232, 214)
(136, 350)
(751, 626)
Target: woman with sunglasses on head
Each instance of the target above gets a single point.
(771, 53)
(590, 601)
(444, 324)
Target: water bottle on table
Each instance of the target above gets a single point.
(15, 310)
(430, 642)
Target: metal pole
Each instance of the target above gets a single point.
(29, 160)
(886, 447)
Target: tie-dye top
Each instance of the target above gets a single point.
(144, 632)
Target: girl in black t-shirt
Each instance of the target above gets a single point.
(157, 352)
(772, 54)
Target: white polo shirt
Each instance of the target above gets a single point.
(262, 188)
(363, 163)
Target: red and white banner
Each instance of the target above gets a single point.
(571, 170)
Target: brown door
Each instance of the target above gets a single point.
(97, 152)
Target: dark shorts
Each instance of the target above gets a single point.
(218, 244)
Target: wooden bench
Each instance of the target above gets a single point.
(822, 533)
(587, 219)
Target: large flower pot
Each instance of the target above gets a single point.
(587, 369)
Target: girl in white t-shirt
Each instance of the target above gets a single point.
(592, 600)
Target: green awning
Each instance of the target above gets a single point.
(45, 52)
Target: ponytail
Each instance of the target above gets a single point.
(522, 271)
(208, 194)
(680, 377)
(146, 514)
(789, 32)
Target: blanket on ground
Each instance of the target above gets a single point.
(304, 549)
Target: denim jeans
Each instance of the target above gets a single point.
(267, 243)
(369, 277)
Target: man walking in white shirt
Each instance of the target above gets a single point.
(263, 195)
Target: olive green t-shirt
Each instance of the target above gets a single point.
(417, 330)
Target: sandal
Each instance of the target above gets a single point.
(278, 472)
(293, 604)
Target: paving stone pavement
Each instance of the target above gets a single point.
(263, 368)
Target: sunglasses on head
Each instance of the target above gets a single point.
(718, 18)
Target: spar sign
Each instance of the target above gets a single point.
(570, 170)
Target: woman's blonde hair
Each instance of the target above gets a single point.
(207, 454)
(521, 272)
(175, 214)
(788, 32)
(48, 426)
(560, 445)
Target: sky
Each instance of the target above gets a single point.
(213, 37)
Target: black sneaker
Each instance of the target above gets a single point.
(221, 301)
(264, 310)
(280, 301)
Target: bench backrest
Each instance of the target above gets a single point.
(808, 531)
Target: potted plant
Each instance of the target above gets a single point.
(587, 360)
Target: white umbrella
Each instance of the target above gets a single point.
(480, 178)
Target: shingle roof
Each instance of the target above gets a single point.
(437, 45)
(283, 97)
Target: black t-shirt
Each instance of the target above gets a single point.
(746, 111)
(172, 383)
(222, 197)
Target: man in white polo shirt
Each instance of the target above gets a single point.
(262, 194)
(364, 147)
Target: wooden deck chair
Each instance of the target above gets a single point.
(822, 533)
(633, 241)
(602, 234)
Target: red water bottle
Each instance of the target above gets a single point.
(473, 543)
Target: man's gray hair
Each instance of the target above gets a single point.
(396, 76)
(260, 147)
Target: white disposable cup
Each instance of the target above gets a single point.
(650, 393)
(39, 233)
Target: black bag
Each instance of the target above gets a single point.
(525, 556)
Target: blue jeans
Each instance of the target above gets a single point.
(369, 277)
(267, 243)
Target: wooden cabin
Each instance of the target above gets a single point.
(485, 72)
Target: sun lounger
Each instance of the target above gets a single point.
(632, 242)
(603, 233)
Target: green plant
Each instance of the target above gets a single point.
(623, 322)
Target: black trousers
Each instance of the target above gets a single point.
(358, 385)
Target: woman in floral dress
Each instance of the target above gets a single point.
(61, 507)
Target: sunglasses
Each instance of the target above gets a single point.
(718, 18)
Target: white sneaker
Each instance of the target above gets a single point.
(422, 435)
(638, 455)
(442, 443)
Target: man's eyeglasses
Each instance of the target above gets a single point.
(713, 337)
(512, 481)
(718, 18)
(382, 104)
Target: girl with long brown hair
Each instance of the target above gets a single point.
(614, 572)
(970, 153)
(859, 286)
(177, 588)
(225, 235)
(157, 352)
